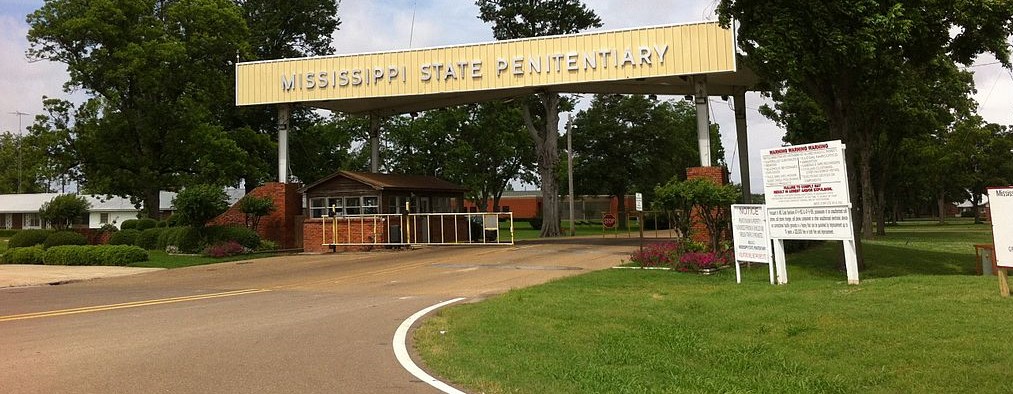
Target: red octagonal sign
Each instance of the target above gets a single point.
(608, 220)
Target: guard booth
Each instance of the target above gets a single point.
(350, 210)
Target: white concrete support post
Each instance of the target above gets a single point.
(569, 170)
(740, 136)
(703, 131)
(851, 261)
(374, 143)
(781, 266)
(284, 116)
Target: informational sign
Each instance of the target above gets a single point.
(749, 233)
(805, 175)
(821, 223)
(1000, 201)
(640, 201)
(608, 220)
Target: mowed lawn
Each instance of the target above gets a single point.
(919, 322)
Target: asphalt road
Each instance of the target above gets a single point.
(294, 324)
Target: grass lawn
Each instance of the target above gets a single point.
(919, 322)
(523, 230)
(160, 259)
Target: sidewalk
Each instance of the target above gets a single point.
(15, 275)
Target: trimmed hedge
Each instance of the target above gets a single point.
(241, 235)
(124, 237)
(144, 224)
(184, 239)
(28, 237)
(61, 238)
(148, 239)
(24, 255)
(129, 224)
(95, 255)
(7, 233)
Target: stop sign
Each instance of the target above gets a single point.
(608, 220)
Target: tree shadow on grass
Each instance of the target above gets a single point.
(883, 261)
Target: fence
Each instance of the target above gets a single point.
(417, 229)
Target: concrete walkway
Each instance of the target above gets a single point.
(16, 275)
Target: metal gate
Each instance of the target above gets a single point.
(418, 229)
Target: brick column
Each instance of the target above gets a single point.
(719, 176)
(280, 225)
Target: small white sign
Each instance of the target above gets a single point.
(749, 233)
(822, 223)
(1000, 201)
(805, 175)
(640, 201)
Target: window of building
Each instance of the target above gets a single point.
(340, 206)
(371, 205)
(103, 218)
(32, 220)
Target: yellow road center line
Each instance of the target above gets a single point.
(135, 304)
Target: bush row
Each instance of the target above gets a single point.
(76, 255)
(192, 240)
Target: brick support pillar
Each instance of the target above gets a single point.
(719, 176)
(280, 225)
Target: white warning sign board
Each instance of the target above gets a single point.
(1000, 201)
(805, 175)
(749, 233)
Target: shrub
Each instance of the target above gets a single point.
(663, 254)
(25, 255)
(162, 224)
(148, 239)
(29, 237)
(196, 205)
(60, 238)
(7, 233)
(535, 223)
(694, 261)
(95, 255)
(225, 249)
(267, 245)
(120, 254)
(172, 221)
(63, 209)
(181, 239)
(144, 224)
(129, 224)
(242, 235)
(255, 208)
(124, 237)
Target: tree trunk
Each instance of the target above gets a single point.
(546, 138)
(621, 207)
(881, 209)
(151, 204)
(975, 201)
(941, 206)
(865, 173)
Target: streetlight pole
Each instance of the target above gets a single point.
(19, 114)
(569, 170)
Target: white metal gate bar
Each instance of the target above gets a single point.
(417, 229)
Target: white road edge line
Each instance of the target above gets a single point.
(401, 349)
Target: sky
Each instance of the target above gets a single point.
(380, 25)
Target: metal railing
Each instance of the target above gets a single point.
(418, 229)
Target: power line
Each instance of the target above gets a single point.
(19, 114)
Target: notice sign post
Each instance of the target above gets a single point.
(750, 238)
(806, 191)
(1000, 201)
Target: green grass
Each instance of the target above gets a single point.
(917, 323)
(524, 231)
(160, 259)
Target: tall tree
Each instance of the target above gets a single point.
(156, 71)
(846, 55)
(513, 19)
(280, 29)
(626, 143)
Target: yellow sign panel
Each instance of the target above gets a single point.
(634, 54)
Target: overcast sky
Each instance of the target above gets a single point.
(368, 26)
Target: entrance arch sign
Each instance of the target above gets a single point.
(651, 58)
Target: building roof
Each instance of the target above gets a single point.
(393, 182)
(32, 202)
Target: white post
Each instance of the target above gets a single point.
(740, 135)
(703, 131)
(569, 169)
(782, 266)
(284, 115)
(770, 269)
(851, 261)
(738, 272)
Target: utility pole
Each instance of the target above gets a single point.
(19, 114)
(569, 170)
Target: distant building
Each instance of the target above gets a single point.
(21, 211)
(527, 204)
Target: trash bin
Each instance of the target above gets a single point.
(394, 233)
